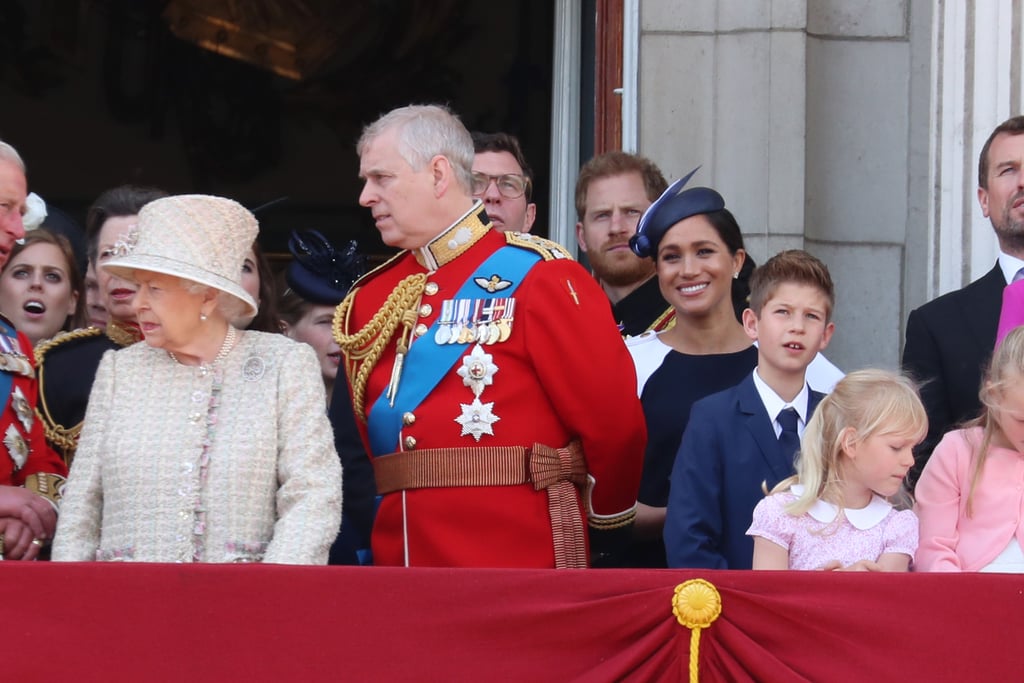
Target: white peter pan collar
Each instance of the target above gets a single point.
(863, 518)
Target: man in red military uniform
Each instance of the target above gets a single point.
(488, 378)
(31, 474)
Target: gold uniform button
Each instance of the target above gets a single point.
(410, 443)
(425, 310)
(408, 419)
(421, 330)
(430, 289)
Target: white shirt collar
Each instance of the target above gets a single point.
(1009, 265)
(863, 518)
(774, 404)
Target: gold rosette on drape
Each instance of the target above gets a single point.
(696, 604)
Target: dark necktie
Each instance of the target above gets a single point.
(789, 437)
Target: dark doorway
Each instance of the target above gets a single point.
(96, 93)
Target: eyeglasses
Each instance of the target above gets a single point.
(510, 185)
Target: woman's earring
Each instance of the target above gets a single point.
(736, 275)
(202, 316)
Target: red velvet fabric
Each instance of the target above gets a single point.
(121, 622)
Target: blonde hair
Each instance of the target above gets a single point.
(1006, 367)
(868, 402)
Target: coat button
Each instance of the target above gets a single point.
(421, 330)
(408, 419)
(430, 289)
(425, 310)
(410, 443)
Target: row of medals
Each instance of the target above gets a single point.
(468, 331)
(11, 358)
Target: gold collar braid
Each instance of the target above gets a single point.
(364, 348)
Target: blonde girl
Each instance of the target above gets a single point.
(835, 512)
(971, 492)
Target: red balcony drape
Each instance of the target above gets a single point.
(137, 622)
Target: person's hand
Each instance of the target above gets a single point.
(32, 509)
(858, 566)
(19, 541)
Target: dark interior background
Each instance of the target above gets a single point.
(96, 93)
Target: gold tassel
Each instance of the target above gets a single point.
(696, 604)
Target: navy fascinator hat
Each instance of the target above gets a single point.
(319, 273)
(672, 206)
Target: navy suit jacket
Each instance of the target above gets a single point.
(949, 343)
(729, 448)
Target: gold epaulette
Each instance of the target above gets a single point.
(63, 338)
(123, 334)
(665, 321)
(545, 247)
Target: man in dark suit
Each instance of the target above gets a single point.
(950, 339)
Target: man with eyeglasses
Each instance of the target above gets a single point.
(503, 181)
(31, 474)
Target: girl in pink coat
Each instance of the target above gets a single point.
(971, 494)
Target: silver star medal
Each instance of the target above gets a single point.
(22, 408)
(477, 418)
(18, 448)
(477, 370)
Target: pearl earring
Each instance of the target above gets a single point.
(736, 276)
(202, 316)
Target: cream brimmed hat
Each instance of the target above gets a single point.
(196, 237)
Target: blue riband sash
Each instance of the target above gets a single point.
(427, 362)
(7, 377)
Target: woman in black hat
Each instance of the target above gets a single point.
(698, 251)
(316, 281)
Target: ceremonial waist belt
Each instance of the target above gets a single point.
(558, 471)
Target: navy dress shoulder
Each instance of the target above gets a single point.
(667, 392)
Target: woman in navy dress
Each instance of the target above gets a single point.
(698, 253)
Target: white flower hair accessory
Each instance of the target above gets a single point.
(36, 213)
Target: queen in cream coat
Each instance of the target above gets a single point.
(272, 488)
(203, 443)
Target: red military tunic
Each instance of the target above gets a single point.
(562, 373)
(25, 457)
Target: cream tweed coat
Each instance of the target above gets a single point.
(270, 488)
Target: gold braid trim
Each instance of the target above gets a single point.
(63, 337)
(364, 348)
(606, 523)
(63, 439)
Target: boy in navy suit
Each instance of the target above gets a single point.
(745, 438)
